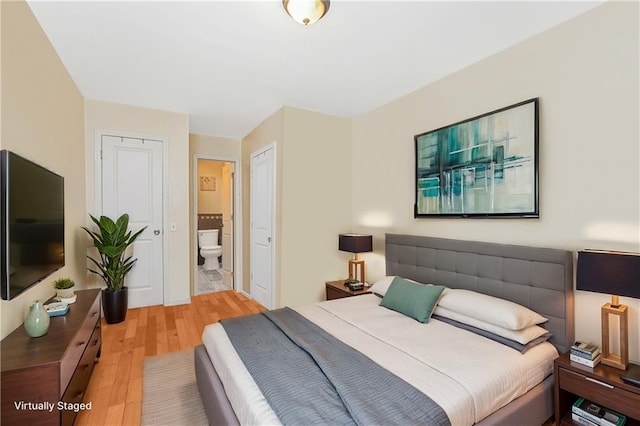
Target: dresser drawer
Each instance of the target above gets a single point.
(78, 345)
(78, 384)
(602, 393)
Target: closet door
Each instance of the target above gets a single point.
(132, 183)
(262, 215)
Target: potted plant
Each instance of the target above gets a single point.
(112, 240)
(64, 288)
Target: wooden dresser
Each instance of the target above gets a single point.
(52, 371)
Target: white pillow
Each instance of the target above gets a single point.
(493, 310)
(523, 336)
(382, 285)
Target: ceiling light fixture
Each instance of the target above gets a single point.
(306, 11)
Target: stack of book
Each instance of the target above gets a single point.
(585, 353)
(587, 413)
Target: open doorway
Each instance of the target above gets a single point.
(214, 228)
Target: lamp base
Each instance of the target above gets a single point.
(613, 361)
(617, 361)
(355, 266)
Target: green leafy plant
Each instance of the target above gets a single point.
(112, 241)
(63, 283)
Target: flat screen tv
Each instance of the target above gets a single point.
(32, 205)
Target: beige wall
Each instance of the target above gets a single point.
(42, 120)
(1, 72)
(586, 75)
(174, 129)
(316, 199)
(210, 201)
(313, 162)
(215, 147)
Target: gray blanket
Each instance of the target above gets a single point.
(310, 377)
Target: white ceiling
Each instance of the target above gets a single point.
(230, 64)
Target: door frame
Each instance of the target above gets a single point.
(237, 218)
(165, 199)
(274, 239)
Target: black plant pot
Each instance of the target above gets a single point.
(114, 305)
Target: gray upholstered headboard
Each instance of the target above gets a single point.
(538, 278)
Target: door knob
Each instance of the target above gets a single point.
(157, 232)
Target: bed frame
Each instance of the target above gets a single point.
(539, 278)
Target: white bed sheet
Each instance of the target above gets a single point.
(469, 376)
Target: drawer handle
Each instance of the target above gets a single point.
(598, 382)
(79, 395)
(95, 342)
(84, 366)
(82, 343)
(94, 314)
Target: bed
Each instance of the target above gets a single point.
(540, 279)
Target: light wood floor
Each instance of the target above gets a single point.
(115, 388)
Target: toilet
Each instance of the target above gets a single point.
(209, 248)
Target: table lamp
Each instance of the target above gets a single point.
(355, 243)
(616, 273)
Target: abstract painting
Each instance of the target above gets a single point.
(486, 166)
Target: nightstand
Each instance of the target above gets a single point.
(601, 385)
(337, 290)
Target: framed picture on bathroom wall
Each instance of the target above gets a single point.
(207, 183)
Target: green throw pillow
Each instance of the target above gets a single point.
(414, 300)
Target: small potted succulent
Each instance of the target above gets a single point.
(64, 288)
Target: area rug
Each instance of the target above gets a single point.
(169, 391)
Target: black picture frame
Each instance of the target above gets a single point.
(485, 166)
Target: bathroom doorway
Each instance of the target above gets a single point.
(214, 202)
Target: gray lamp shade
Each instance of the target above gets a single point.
(355, 243)
(609, 272)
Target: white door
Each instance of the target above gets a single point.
(132, 184)
(227, 224)
(262, 204)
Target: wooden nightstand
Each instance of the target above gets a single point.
(337, 290)
(601, 385)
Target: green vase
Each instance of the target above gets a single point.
(37, 322)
